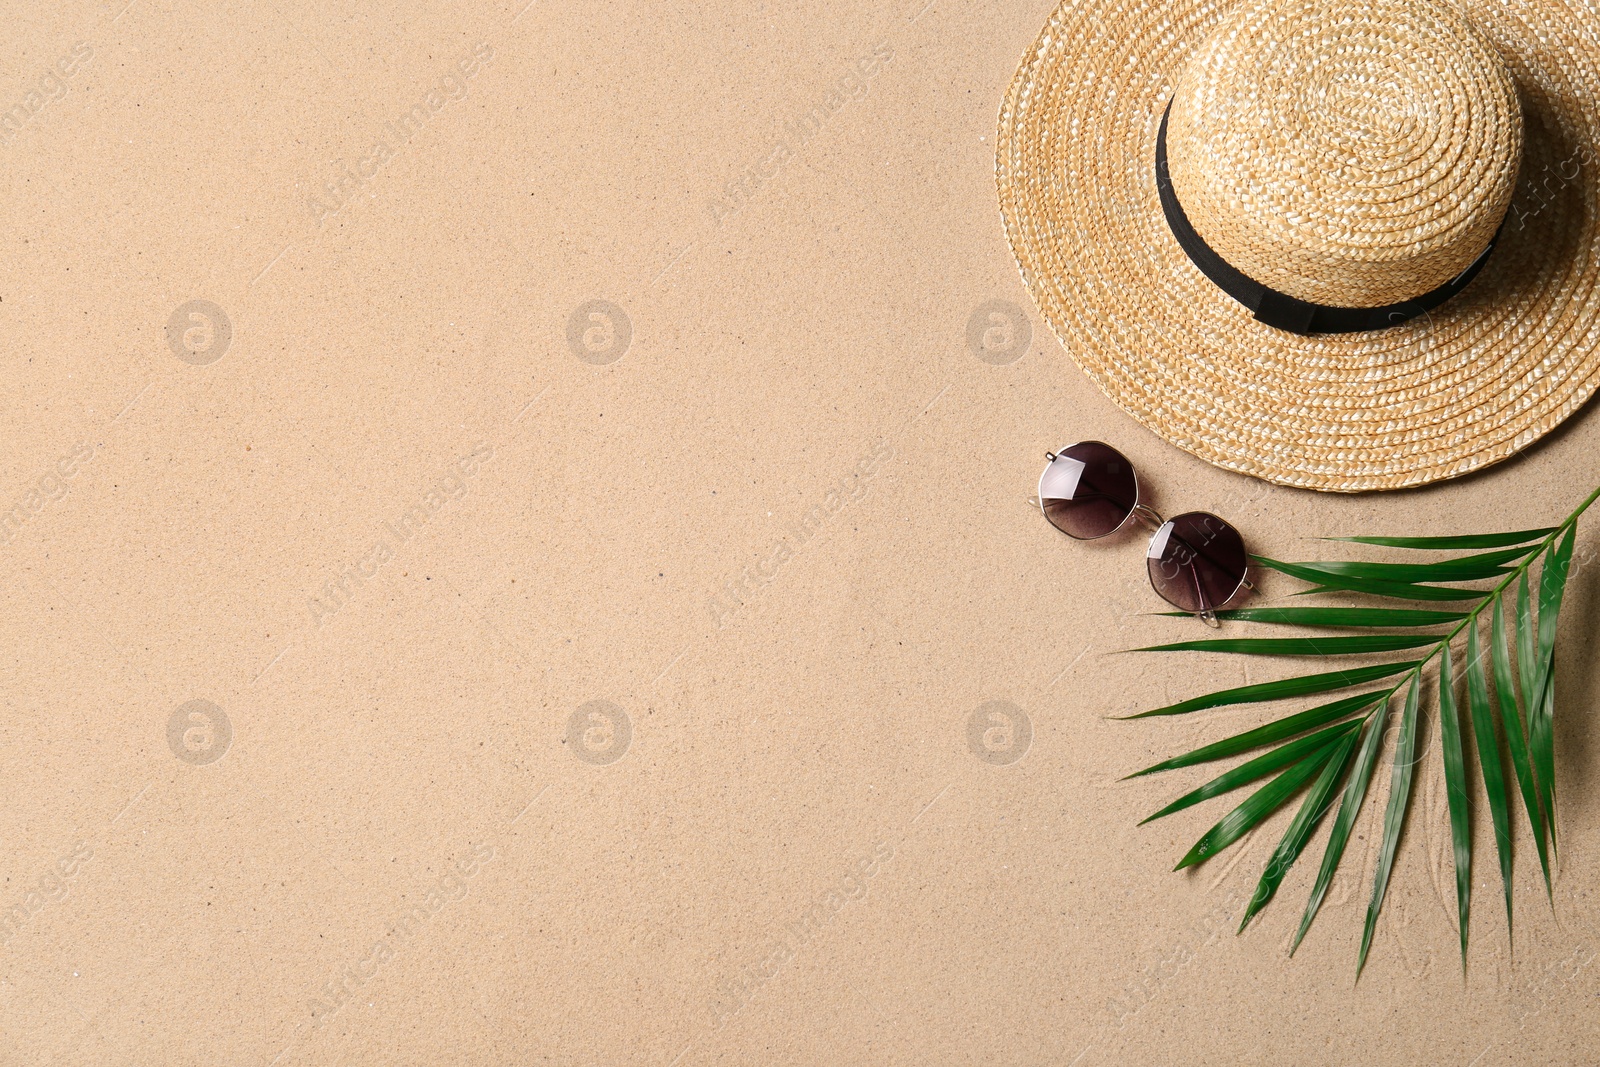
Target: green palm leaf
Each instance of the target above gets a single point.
(1494, 775)
(1262, 802)
(1355, 792)
(1329, 580)
(1552, 584)
(1259, 767)
(1399, 795)
(1541, 742)
(1272, 732)
(1516, 735)
(1527, 658)
(1494, 540)
(1301, 646)
(1541, 716)
(1455, 782)
(1460, 569)
(1529, 669)
(1333, 746)
(1336, 618)
(1288, 687)
(1305, 821)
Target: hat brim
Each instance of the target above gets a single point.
(1471, 383)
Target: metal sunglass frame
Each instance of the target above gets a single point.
(1152, 521)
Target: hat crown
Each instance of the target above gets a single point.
(1356, 154)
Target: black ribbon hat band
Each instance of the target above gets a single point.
(1280, 310)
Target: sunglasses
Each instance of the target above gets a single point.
(1197, 562)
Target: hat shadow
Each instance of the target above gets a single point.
(1541, 242)
(1549, 212)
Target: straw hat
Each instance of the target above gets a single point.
(1334, 244)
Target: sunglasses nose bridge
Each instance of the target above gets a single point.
(1148, 517)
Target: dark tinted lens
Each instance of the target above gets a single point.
(1088, 490)
(1197, 562)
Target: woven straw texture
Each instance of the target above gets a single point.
(1357, 164)
(1350, 154)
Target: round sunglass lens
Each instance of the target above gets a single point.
(1197, 562)
(1088, 490)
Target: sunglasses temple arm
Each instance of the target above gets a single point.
(1206, 614)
